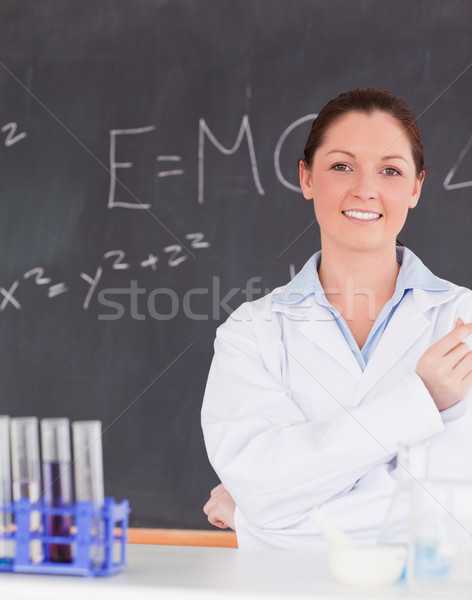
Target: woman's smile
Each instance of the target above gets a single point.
(362, 216)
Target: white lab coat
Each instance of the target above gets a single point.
(291, 422)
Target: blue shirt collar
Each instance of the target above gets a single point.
(413, 274)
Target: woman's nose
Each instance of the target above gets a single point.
(364, 185)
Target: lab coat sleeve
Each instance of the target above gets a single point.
(275, 463)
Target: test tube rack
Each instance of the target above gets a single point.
(82, 540)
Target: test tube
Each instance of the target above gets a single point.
(6, 545)
(26, 472)
(57, 483)
(88, 470)
(411, 467)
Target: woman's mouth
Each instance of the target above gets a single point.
(362, 215)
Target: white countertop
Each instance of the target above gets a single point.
(182, 572)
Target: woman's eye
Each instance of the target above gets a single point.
(390, 171)
(340, 167)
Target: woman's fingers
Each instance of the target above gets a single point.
(457, 353)
(463, 367)
(219, 489)
(446, 367)
(214, 517)
(220, 508)
(209, 506)
(452, 339)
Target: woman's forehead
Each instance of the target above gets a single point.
(375, 130)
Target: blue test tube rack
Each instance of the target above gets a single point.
(113, 515)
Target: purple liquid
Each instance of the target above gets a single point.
(58, 494)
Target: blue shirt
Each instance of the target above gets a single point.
(413, 274)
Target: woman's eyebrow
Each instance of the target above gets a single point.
(387, 157)
(391, 156)
(342, 152)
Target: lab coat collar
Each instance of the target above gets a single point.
(319, 326)
(413, 274)
(318, 323)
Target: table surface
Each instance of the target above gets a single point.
(182, 572)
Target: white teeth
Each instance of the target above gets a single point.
(363, 216)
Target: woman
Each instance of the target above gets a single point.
(313, 387)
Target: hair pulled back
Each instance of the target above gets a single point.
(366, 100)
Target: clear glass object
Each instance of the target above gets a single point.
(434, 517)
(57, 483)
(411, 467)
(6, 546)
(88, 471)
(26, 472)
(441, 534)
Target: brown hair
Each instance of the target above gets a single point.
(366, 100)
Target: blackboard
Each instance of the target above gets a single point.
(200, 108)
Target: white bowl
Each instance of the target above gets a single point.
(367, 565)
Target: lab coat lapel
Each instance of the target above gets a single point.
(405, 327)
(321, 329)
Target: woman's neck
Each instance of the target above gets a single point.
(359, 283)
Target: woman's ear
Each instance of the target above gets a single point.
(305, 180)
(417, 190)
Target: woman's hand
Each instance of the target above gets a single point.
(446, 367)
(220, 508)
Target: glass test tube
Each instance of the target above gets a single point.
(57, 483)
(26, 472)
(6, 545)
(88, 470)
(411, 465)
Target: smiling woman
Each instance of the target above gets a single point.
(313, 388)
(354, 184)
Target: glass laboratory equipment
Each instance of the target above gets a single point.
(26, 473)
(433, 515)
(6, 544)
(411, 465)
(441, 534)
(57, 484)
(88, 470)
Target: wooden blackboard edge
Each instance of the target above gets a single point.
(182, 537)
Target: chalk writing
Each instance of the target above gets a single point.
(151, 261)
(169, 164)
(9, 298)
(278, 148)
(39, 278)
(114, 165)
(93, 281)
(57, 289)
(175, 259)
(172, 172)
(117, 258)
(118, 263)
(245, 129)
(11, 138)
(197, 240)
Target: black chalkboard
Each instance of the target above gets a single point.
(200, 108)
